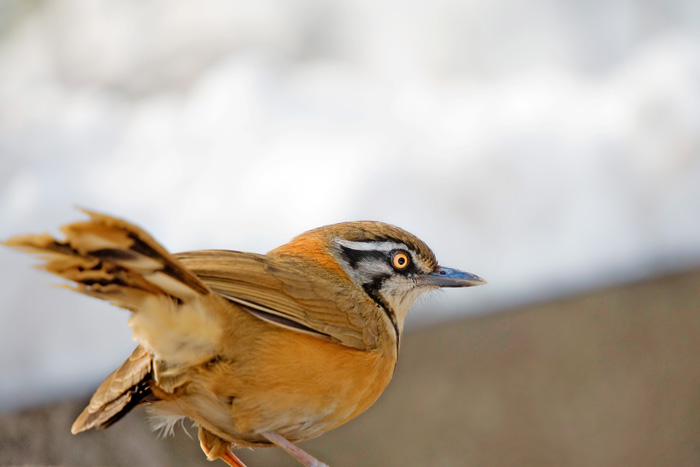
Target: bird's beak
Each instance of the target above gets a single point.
(447, 277)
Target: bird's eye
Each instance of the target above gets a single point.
(399, 260)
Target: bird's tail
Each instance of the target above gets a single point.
(114, 260)
(176, 319)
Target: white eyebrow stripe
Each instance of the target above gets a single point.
(371, 245)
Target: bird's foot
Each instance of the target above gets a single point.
(299, 454)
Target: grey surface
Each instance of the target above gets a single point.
(609, 378)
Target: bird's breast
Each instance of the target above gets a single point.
(306, 386)
(290, 383)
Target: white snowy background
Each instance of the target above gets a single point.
(550, 147)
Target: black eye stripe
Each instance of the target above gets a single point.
(354, 257)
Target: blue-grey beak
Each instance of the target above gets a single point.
(447, 277)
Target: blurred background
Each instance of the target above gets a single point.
(552, 147)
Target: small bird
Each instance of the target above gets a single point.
(258, 350)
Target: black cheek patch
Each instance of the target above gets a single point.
(372, 289)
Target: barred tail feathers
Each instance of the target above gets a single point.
(175, 316)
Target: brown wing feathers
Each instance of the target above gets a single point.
(282, 293)
(123, 390)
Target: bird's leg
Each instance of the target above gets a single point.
(217, 448)
(299, 454)
(231, 459)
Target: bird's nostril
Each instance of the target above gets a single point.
(442, 273)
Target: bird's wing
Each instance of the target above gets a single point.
(283, 293)
(124, 389)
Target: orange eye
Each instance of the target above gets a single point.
(400, 260)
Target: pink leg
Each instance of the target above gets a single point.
(299, 454)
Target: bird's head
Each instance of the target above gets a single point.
(392, 266)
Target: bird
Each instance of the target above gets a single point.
(258, 350)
